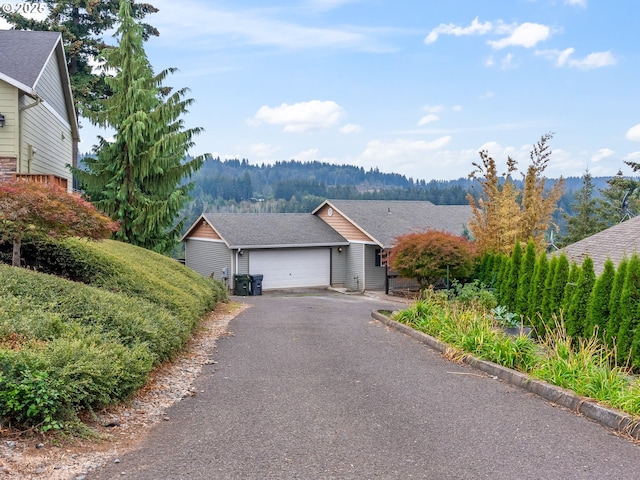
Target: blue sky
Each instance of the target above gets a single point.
(407, 86)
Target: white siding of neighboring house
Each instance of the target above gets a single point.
(51, 138)
(375, 277)
(339, 266)
(9, 108)
(355, 267)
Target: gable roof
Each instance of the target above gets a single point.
(271, 230)
(23, 58)
(384, 220)
(616, 242)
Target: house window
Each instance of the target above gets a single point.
(378, 257)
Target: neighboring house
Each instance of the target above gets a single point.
(621, 240)
(340, 244)
(38, 124)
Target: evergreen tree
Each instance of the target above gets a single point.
(629, 299)
(598, 307)
(510, 292)
(525, 278)
(537, 293)
(501, 278)
(585, 220)
(576, 319)
(622, 195)
(137, 178)
(560, 278)
(613, 325)
(547, 295)
(570, 287)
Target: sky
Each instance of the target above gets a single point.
(406, 86)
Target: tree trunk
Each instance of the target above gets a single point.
(15, 260)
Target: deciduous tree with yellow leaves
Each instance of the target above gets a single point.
(504, 213)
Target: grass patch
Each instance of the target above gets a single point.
(587, 366)
(67, 346)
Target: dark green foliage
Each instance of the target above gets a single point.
(525, 279)
(560, 278)
(509, 293)
(501, 278)
(576, 317)
(585, 219)
(629, 302)
(137, 178)
(547, 294)
(613, 325)
(618, 189)
(537, 293)
(570, 287)
(598, 308)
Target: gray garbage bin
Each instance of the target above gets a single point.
(256, 284)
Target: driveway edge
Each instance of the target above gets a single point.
(613, 419)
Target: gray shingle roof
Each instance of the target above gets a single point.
(23, 54)
(616, 242)
(384, 220)
(245, 230)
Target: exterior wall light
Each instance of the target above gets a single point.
(1, 120)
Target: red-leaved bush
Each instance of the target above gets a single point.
(424, 256)
(29, 209)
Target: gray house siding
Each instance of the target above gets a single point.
(355, 267)
(375, 276)
(207, 257)
(9, 108)
(50, 88)
(339, 257)
(46, 143)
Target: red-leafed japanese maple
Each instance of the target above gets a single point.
(424, 256)
(32, 210)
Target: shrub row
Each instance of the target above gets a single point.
(541, 289)
(67, 346)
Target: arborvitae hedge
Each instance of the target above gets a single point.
(628, 312)
(576, 317)
(510, 292)
(547, 305)
(613, 325)
(560, 278)
(598, 308)
(536, 294)
(569, 288)
(525, 279)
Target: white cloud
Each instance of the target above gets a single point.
(401, 148)
(576, 3)
(507, 61)
(475, 28)
(350, 128)
(526, 35)
(428, 119)
(307, 155)
(262, 149)
(490, 61)
(457, 108)
(433, 108)
(633, 156)
(300, 117)
(633, 133)
(602, 154)
(562, 58)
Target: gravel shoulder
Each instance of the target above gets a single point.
(117, 430)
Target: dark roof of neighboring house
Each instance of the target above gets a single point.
(615, 243)
(384, 220)
(24, 56)
(271, 230)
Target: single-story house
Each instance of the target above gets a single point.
(340, 244)
(617, 242)
(38, 122)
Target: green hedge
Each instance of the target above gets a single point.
(67, 346)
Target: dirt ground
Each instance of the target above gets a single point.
(29, 455)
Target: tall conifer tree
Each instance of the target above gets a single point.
(613, 325)
(598, 308)
(576, 320)
(629, 301)
(536, 294)
(137, 178)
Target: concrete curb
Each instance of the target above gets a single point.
(615, 420)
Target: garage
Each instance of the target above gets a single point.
(293, 267)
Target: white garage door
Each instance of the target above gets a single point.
(294, 267)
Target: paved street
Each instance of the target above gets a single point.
(311, 387)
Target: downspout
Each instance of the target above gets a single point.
(37, 102)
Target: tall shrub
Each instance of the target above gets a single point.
(510, 292)
(536, 294)
(547, 294)
(629, 299)
(613, 325)
(598, 307)
(525, 279)
(576, 317)
(570, 287)
(560, 279)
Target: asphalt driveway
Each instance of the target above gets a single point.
(311, 387)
